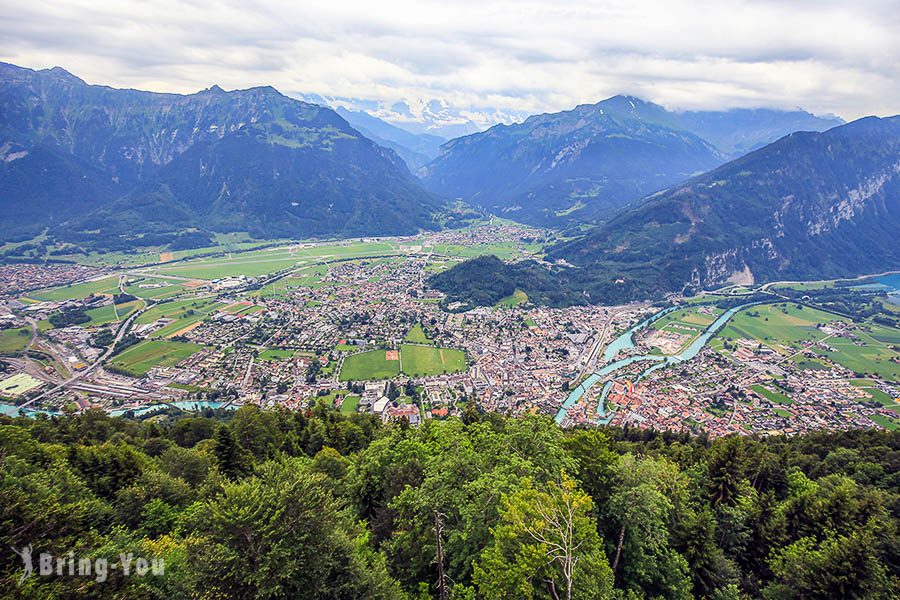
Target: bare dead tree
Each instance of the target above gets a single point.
(439, 556)
(558, 535)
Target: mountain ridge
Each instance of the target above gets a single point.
(810, 205)
(138, 141)
(573, 166)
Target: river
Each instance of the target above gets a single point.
(625, 341)
(186, 405)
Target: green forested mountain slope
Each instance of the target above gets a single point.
(106, 162)
(811, 205)
(573, 166)
(273, 504)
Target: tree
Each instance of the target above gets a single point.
(837, 567)
(642, 506)
(546, 545)
(229, 455)
(281, 534)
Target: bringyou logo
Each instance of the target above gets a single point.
(98, 569)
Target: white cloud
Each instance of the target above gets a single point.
(826, 55)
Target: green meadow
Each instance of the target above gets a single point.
(185, 312)
(112, 313)
(369, 365)
(785, 327)
(417, 361)
(140, 358)
(421, 361)
(14, 340)
(107, 285)
(516, 298)
(274, 354)
(417, 335)
(269, 260)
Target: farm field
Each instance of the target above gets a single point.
(784, 328)
(112, 313)
(877, 395)
(142, 357)
(184, 312)
(107, 285)
(307, 277)
(420, 361)
(889, 423)
(14, 340)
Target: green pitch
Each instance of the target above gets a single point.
(420, 361)
(369, 365)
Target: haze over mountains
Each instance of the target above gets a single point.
(581, 165)
(435, 116)
(416, 149)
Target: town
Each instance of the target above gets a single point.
(355, 325)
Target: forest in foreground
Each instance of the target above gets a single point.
(272, 504)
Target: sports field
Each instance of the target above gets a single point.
(140, 358)
(369, 365)
(783, 327)
(107, 285)
(421, 361)
(415, 360)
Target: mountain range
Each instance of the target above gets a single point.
(808, 206)
(416, 149)
(651, 201)
(582, 165)
(106, 167)
(435, 116)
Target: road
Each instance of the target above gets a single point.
(123, 328)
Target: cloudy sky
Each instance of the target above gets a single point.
(822, 55)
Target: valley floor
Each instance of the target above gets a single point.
(354, 324)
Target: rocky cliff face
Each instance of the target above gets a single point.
(810, 205)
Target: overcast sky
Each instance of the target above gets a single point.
(825, 56)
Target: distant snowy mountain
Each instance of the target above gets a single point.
(435, 116)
